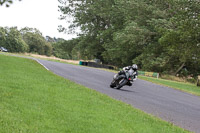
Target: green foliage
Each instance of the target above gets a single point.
(24, 40)
(36, 42)
(64, 49)
(12, 40)
(48, 49)
(161, 36)
(3, 34)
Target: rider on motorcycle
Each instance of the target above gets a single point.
(130, 71)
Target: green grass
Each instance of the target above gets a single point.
(34, 100)
(187, 87)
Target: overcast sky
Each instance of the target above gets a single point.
(40, 14)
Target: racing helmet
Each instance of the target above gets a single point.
(135, 67)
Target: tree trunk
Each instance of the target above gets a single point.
(198, 81)
(180, 68)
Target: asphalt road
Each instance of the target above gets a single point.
(172, 105)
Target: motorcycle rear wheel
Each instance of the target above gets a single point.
(112, 86)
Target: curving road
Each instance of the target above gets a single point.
(172, 105)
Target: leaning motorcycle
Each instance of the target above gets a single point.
(120, 80)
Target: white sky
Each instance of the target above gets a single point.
(40, 14)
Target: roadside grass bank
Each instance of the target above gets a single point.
(33, 99)
(186, 87)
(44, 57)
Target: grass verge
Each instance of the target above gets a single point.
(51, 58)
(33, 100)
(186, 87)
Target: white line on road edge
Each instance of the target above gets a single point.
(42, 64)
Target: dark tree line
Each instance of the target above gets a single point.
(159, 35)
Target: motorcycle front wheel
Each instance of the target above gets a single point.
(113, 84)
(121, 83)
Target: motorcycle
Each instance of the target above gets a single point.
(120, 80)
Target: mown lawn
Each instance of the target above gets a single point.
(33, 100)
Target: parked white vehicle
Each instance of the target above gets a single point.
(3, 49)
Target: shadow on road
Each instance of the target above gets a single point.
(123, 90)
(126, 90)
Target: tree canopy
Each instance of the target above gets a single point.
(24, 40)
(161, 36)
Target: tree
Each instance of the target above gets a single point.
(177, 39)
(63, 49)
(161, 36)
(7, 2)
(93, 19)
(181, 41)
(36, 42)
(2, 36)
(48, 49)
(11, 39)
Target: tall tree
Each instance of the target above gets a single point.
(13, 40)
(93, 19)
(36, 42)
